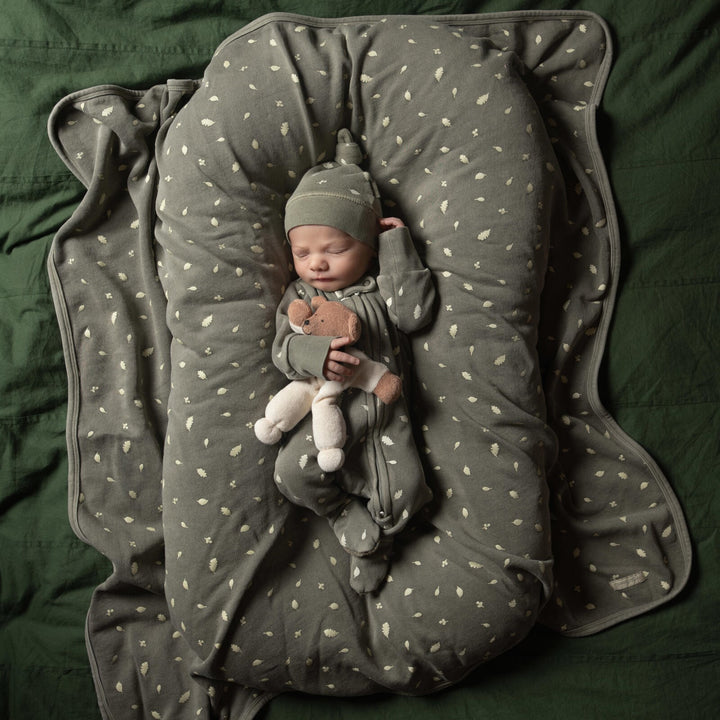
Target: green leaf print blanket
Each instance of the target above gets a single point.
(479, 131)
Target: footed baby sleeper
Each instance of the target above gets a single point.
(381, 484)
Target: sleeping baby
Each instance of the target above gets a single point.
(344, 250)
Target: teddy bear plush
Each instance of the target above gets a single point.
(297, 398)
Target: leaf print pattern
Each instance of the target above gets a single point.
(168, 327)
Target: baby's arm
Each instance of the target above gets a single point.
(300, 356)
(404, 282)
(294, 354)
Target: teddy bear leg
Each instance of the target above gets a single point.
(331, 459)
(329, 430)
(290, 405)
(266, 432)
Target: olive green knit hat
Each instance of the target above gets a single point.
(339, 194)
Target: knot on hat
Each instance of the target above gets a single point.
(339, 194)
(347, 151)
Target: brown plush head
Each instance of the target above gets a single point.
(330, 318)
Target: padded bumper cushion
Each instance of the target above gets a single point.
(456, 144)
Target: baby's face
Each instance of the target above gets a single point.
(327, 258)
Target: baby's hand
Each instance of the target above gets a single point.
(339, 365)
(389, 223)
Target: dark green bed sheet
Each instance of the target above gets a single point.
(660, 379)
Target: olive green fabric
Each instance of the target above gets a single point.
(657, 133)
(165, 282)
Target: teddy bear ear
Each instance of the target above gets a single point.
(317, 301)
(354, 328)
(298, 312)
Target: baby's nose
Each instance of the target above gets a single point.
(317, 262)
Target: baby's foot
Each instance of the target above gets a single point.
(354, 527)
(369, 572)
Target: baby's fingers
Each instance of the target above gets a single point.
(329, 375)
(340, 365)
(338, 343)
(337, 371)
(342, 358)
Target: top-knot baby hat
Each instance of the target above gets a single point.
(339, 194)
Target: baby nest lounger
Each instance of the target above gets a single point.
(479, 131)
